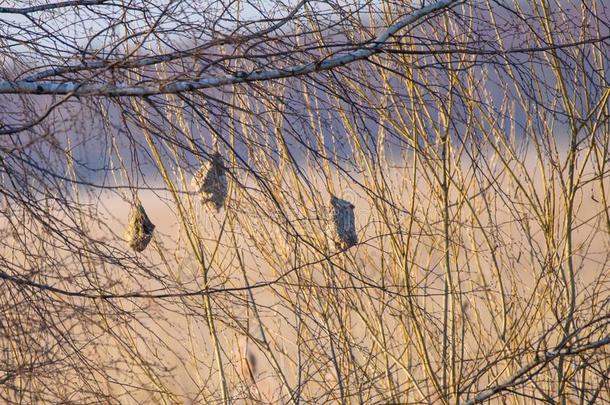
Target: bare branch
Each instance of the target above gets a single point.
(83, 89)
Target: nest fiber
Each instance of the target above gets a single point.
(140, 229)
(210, 182)
(343, 230)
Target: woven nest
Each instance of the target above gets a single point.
(343, 226)
(210, 182)
(140, 229)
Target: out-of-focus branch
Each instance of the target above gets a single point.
(493, 52)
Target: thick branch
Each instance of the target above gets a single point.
(103, 89)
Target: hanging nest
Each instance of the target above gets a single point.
(140, 229)
(211, 182)
(343, 227)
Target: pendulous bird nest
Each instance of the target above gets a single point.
(210, 182)
(343, 226)
(139, 229)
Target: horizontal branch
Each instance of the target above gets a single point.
(96, 294)
(108, 296)
(53, 6)
(104, 89)
(498, 52)
(165, 293)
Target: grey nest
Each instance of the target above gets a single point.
(210, 182)
(140, 229)
(343, 227)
